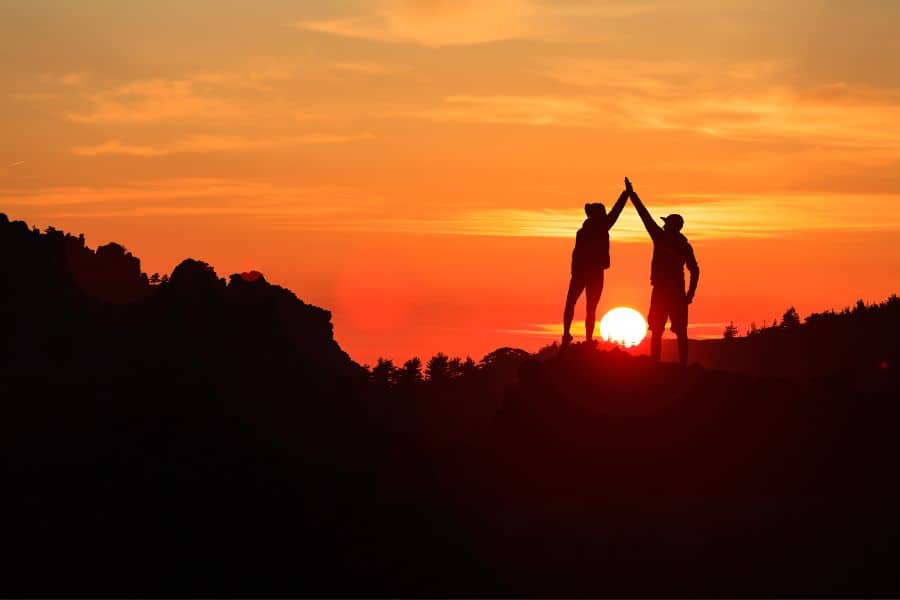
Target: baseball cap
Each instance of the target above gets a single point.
(675, 219)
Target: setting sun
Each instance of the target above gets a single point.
(624, 326)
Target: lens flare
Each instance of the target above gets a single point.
(623, 326)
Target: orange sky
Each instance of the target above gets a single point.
(419, 167)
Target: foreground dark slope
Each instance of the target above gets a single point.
(619, 475)
(208, 436)
(848, 342)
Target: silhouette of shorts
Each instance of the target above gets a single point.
(584, 280)
(666, 304)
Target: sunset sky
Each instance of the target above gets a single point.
(420, 167)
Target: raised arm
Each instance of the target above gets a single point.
(613, 215)
(649, 223)
(694, 270)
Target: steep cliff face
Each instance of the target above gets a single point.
(68, 308)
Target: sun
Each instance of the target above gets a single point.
(623, 326)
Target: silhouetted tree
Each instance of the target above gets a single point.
(454, 367)
(468, 367)
(438, 368)
(411, 372)
(505, 355)
(790, 319)
(384, 373)
(730, 332)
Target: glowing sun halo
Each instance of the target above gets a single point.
(624, 326)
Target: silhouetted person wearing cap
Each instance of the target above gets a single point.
(590, 259)
(671, 252)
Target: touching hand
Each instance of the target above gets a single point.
(628, 187)
(690, 298)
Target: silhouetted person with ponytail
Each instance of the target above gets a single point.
(668, 301)
(589, 260)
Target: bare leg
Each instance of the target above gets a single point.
(656, 319)
(576, 284)
(682, 347)
(656, 344)
(594, 291)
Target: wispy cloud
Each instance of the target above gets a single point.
(330, 208)
(527, 110)
(207, 144)
(432, 22)
(153, 100)
(737, 100)
(738, 103)
(204, 95)
(189, 196)
(5, 169)
(664, 77)
(809, 117)
(436, 23)
(708, 216)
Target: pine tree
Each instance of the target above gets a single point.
(438, 367)
(790, 319)
(411, 371)
(730, 332)
(384, 373)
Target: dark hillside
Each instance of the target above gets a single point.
(851, 342)
(192, 435)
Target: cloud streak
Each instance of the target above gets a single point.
(340, 209)
(205, 95)
(708, 216)
(438, 23)
(189, 196)
(433, 22)
(525, 110)
(741, 101)
(208, 144)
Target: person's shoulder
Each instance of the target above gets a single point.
(593, 224)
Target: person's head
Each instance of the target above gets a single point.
(673, 223)
(595, 209)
